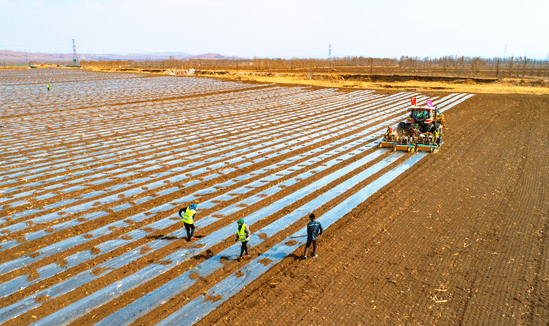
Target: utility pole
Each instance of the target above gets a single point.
(329, 57)
(74, 55)
(505, 52)
(26, 57)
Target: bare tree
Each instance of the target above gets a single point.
(511, 65)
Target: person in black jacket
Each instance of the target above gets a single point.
(314, 229)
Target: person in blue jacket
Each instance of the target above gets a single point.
(314, 229)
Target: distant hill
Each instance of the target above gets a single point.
(19, 57)
(212, 56)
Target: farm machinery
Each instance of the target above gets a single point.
(422, 131)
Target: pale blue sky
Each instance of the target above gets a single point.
(299, 28)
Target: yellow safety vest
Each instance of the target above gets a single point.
(188, 216)
(242, 233)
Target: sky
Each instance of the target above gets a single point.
(279, 29)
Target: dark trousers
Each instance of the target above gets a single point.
(190, 230)
(244, 248)
(315, 244)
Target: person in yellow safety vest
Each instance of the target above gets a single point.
(437, 137)
(243, 234)
(188, 219)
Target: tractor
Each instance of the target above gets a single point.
(422, 131)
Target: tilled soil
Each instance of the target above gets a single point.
(458, 238)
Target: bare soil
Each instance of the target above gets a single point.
(460, 238)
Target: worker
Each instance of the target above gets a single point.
(188, 220)
(48, 87)
(314, 229)
(389, 134)
(243, 234)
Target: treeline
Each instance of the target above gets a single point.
(513, 67)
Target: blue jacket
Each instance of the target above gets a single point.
(314, 229)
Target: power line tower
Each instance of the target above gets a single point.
(329, 52)
(74, 55)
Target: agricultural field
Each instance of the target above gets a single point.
(94, 171)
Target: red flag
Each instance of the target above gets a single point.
(414, 101)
